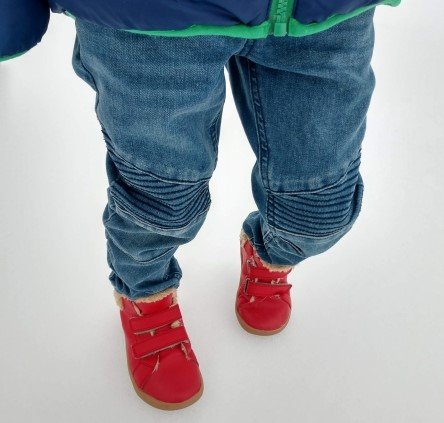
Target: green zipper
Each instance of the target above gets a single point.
(280, 14)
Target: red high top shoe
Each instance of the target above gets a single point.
(263, 302)
(162, 365)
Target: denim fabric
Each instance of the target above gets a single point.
(303, 104)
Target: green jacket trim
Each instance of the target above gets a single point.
(240, 31)
(12, 56)
(278, 25)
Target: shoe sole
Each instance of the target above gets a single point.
(259, 332)
(162, 405)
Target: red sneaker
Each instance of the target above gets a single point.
(263, 303)
(162, 365)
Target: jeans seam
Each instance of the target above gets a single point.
(175, 275)
(111, 254)
(110, 201)
(85, 68)
(326, 237)
(240, 51)
(275, 236)
(153, 175)
(105, 221)
(325, 187)
(82, 63)
(261, 135)
(213, 132)
(250, 44)
(260, 123)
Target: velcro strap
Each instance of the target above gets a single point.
(257, 272)
(156, 320)
(159, 342)
(263, 289)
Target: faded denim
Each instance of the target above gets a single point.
(302, 101)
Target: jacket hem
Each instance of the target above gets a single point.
(12, 56)
(295, 28)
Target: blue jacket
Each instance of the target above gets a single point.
(24, 22)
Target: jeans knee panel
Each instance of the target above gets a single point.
(155, 202)
(319, 214)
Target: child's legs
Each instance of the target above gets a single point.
(303, 103)
(159, 102)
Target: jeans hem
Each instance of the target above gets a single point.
(146, 293)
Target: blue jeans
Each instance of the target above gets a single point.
(302, 102)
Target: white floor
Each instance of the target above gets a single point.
(366, 341)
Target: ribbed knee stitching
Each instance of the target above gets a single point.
(318, 214)
(158, 202)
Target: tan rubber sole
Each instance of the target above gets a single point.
(259, 332)
(162, 405)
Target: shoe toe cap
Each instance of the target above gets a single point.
(268, 314)
(175, 379)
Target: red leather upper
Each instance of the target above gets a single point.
(159, 352)
(263, 298)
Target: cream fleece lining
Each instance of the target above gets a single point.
(272, 267)
(149, 299)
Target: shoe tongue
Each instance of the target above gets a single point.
(155, 306)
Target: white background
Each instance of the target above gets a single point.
(365, 343)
